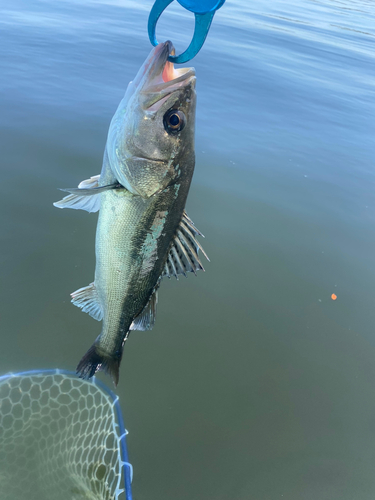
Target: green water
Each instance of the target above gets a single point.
(254, 383)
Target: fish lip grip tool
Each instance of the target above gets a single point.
(203, 10)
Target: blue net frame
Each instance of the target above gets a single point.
(12, 400)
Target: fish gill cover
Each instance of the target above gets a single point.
(61, 438)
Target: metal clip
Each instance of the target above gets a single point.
(203, 10)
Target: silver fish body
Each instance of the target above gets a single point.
(143, 232)
(133, 240)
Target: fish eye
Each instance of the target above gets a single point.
(174, 121)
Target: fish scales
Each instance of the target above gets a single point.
(143, 232)
(131, 254)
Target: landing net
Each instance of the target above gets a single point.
(61, 438)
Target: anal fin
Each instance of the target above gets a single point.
(87, 299)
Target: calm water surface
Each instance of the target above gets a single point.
(254, 384)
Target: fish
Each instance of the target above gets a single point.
(143, 232)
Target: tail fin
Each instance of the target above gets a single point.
(96, 359)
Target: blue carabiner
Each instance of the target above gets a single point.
(203, 10)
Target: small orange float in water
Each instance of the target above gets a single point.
(333, 296)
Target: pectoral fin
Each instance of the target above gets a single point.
(86, 196)
(183, 256)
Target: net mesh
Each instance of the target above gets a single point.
(60, 439)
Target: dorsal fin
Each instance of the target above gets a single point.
(146, 320)
(183, 256)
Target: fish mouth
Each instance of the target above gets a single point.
(160, 75)
(157, 77)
